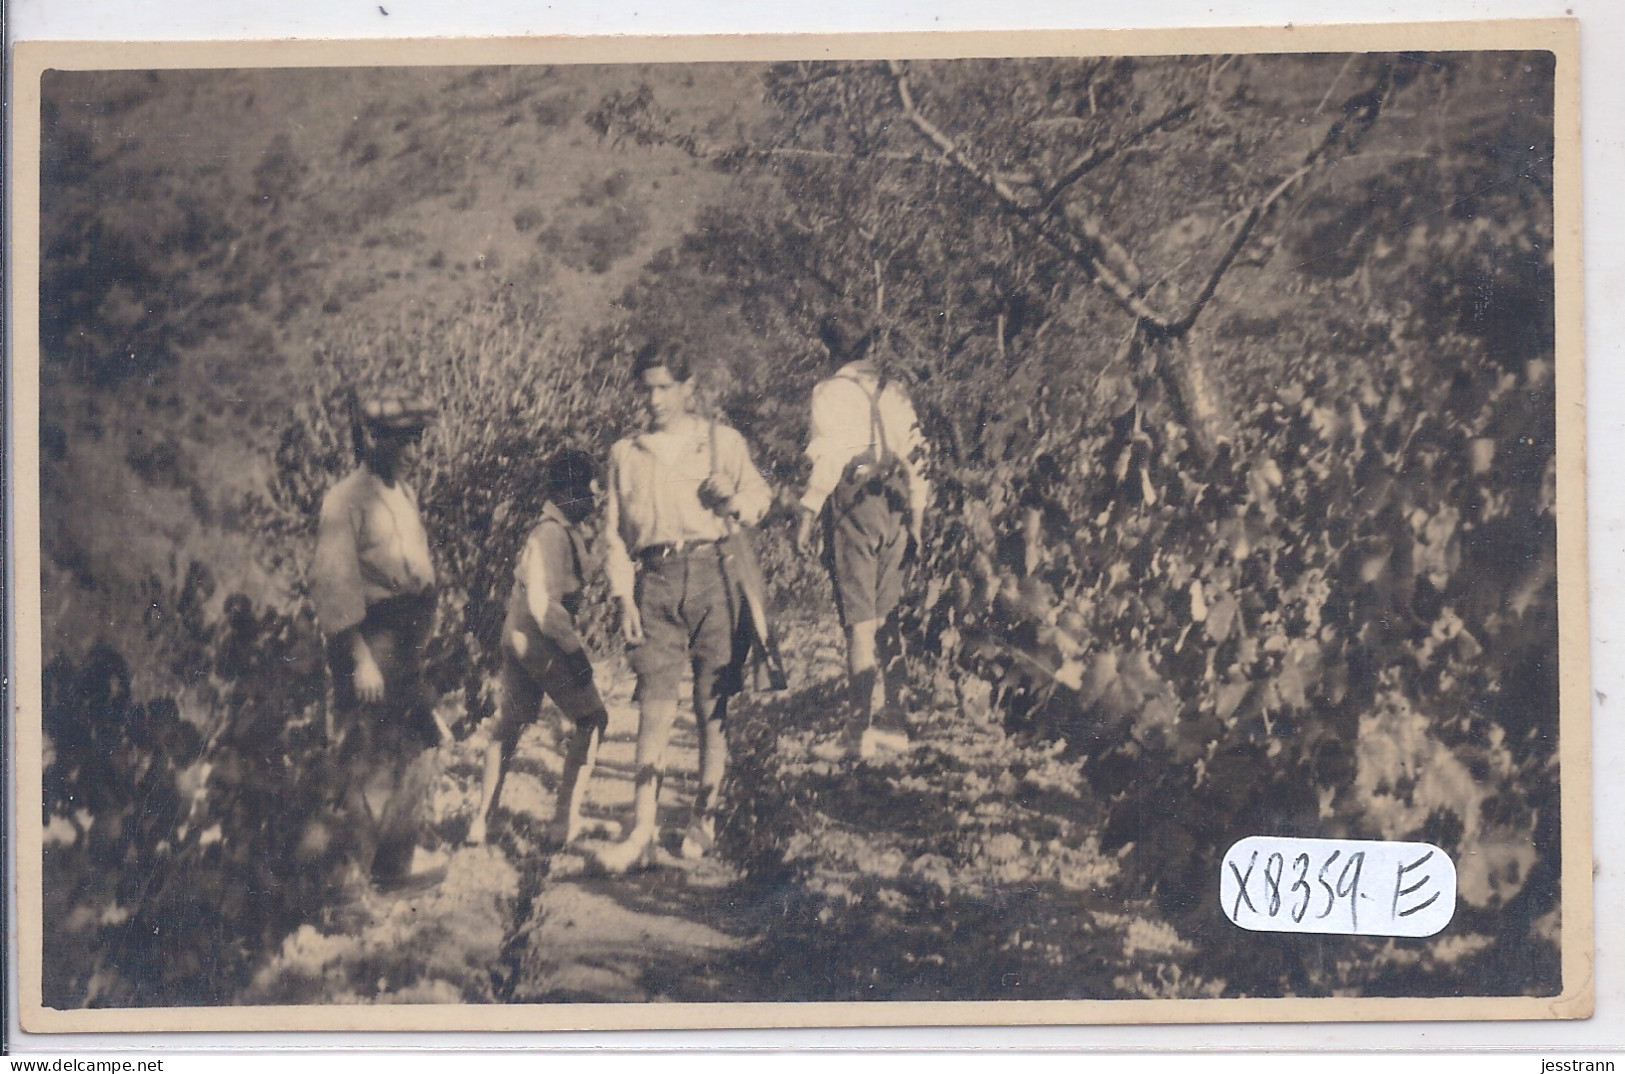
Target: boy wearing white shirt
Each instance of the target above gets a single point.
(675, 494)
(868, 489)
(373, 586)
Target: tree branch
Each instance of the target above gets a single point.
(1090, 248)
(620, 117)
(1359, 113)
(1249, 221)
(712, 152)
(1096, 157)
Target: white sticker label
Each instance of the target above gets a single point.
(1345, 886)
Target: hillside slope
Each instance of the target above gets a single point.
(206, 232)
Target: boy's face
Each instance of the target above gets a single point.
(666, 397)
(393, 449)
(578, 506)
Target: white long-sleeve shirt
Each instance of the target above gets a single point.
(845, 425)
(370, 546)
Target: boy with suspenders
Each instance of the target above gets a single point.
(677, 493)
(543, 654)
(867, 488)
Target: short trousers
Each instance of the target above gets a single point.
(544, 668)
(865, 539)
(687, 609)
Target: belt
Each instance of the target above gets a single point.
(668, 551)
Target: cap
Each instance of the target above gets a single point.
(394, 411)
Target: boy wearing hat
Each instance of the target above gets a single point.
(372, 583)
(541, 652)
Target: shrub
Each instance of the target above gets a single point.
(195, 847)
(507, 394)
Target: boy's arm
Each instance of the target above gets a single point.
(617, 561)
(542, 563)
(618, 566)
(751, 497)
(825, 447)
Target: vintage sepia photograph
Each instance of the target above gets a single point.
(722, 539)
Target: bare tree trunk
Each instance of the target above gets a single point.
(1177, 353)
(1185, 365)
(1182, 364)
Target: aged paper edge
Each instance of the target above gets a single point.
(1559, 36)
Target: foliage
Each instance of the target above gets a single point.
(1243, 515)
(506, 394)
(611, 234)
(187, 850)
(1340, 621)
(997, 889)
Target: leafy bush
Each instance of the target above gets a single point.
(189, 848)
(597, 243)
(554, 110)
(1319, 600)
(506, 395)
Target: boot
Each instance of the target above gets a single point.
(859, 709)
(843, 747)
(636, 851)
(700, 839)
(879, 741)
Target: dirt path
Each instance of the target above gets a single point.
(517, 920)
(967, 869)
(659, 934)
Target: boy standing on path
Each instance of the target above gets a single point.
(867, 488)
(372, 584)
(676, 493)
(543, 654)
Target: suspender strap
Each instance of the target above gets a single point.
(572, 539)
(711, 435)
(877, 424)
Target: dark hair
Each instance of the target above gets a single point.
(570, 474)
(845, 337)
(667, 356)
